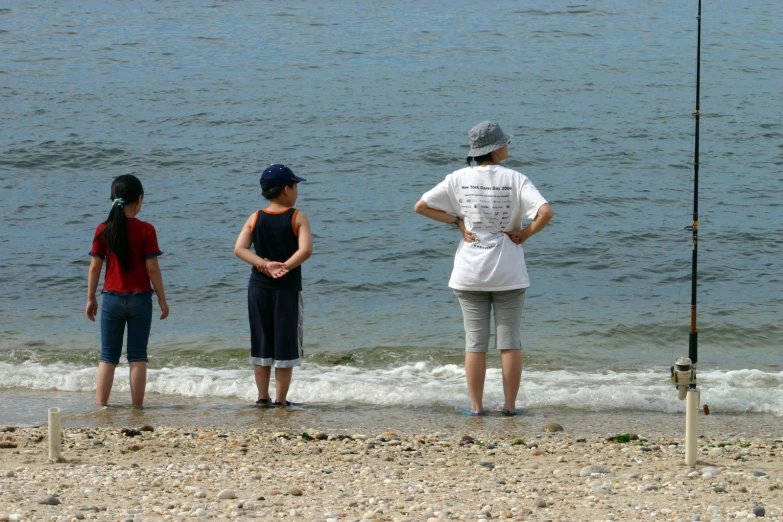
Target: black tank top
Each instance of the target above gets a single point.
(275, 239)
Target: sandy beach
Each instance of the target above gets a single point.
(521, 468)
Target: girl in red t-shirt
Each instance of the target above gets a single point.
(130, 248)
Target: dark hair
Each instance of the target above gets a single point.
(274, 192)
(127, 188)
(479, 159)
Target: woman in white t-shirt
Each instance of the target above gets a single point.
(488, 203)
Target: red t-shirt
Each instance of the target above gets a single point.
(143, 245)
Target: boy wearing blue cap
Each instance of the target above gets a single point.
(281, 240)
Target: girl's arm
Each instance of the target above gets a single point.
(242, 251)
(153, 271)
(93, 275)
(305, 249)
(444, 217)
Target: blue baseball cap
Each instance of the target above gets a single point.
(278, 174)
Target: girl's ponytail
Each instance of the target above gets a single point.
(125, 190)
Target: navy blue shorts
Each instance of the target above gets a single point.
(275, 327)
(134, 310)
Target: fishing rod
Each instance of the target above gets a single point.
(693, 349)
(683, 372)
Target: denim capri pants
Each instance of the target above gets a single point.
(135, 310)
(477, 308)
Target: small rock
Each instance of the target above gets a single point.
(551, 427)
(200, 512)
(47, 500)
(295, 492)
(589, 470)
(227, 494)
(759, 511)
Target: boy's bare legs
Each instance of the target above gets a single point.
(475, 373)
(138, 382)
(282, 383)
(262, 374)
(104, 383)
(511, 361)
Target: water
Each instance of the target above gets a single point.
(372, 102)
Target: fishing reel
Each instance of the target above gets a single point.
(683, 376)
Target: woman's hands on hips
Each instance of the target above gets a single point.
(518, 236)
(467, 235)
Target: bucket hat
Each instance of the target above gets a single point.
(278, 174)
(486, 137)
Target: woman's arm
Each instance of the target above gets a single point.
(305, 249)
(156, 278)
(543, 216)
(444, 217)
(93, 276)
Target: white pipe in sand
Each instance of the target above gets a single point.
(691, 425)
(54, 435)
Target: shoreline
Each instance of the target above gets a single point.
(396, 464)
(28, 408)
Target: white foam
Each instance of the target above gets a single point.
(423, 384)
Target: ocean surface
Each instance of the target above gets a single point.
(371, 102)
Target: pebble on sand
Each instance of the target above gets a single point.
(226, 494)
(47, 500)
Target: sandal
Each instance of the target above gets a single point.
(509, 413)
(287, 404)
(264, 403)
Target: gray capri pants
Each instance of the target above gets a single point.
(476, 312)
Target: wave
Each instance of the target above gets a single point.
(426, 384)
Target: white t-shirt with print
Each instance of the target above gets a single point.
(490, 200)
